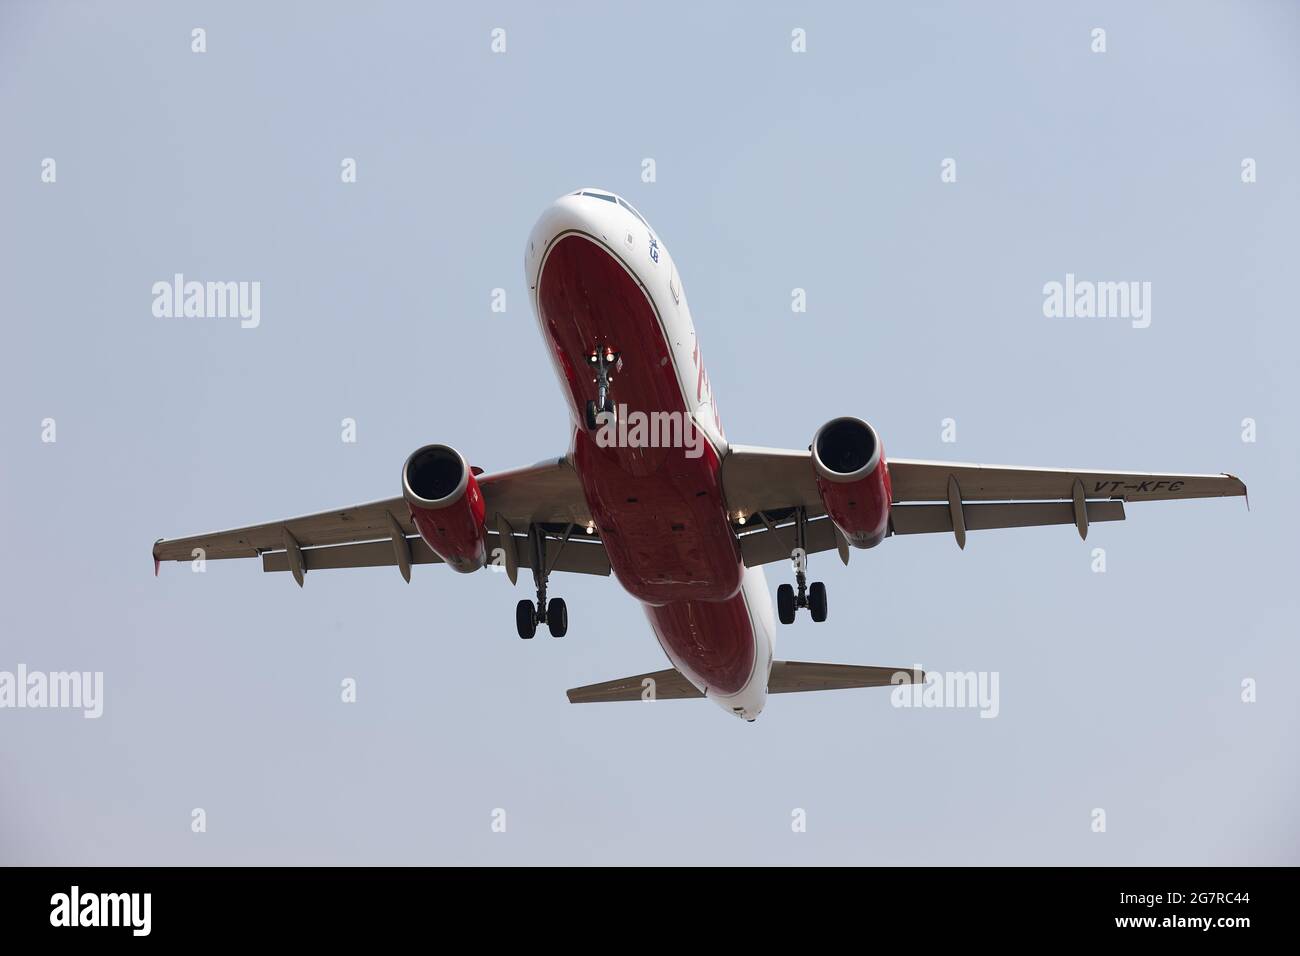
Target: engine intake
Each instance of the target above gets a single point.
(853, 479)
(447, 506)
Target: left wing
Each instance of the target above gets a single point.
(381, 533)
(763, 487)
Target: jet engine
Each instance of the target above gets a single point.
(853, 479)
(446, 506)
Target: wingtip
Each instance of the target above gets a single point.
(1245, 492)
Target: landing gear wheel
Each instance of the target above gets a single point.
(785, 604)
(817, 601)
(557, 617)
(593, 409)
(525, 619)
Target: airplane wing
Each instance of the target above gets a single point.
(381, 533)
(764, 486)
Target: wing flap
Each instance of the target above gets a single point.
(764, 545)
(581, 556)
(925, 519)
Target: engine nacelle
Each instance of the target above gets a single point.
(853, 479)
(446, 506)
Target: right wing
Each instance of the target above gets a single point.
(381, 533)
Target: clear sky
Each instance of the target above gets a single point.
(775, 170)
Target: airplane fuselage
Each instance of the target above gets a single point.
(602, 281)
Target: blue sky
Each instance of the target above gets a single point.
(775, 171)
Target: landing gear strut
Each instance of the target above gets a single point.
(554, 613)
(813, 597)
(601, 360)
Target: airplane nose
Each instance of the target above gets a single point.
(572, 211)
(564, 213)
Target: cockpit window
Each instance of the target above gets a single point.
(629, 208)
(614, 199)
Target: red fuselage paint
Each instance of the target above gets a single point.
(660, 513)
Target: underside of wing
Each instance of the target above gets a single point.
(365, 522)
(547, 495)
(766, 487)
(769, 479)
(914, 480)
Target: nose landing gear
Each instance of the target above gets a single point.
(553, 613)
(813, 596)
(602, 360)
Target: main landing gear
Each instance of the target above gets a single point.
(813, 596)
(601, 360)
(554, 613)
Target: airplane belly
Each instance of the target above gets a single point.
(656, 494)
(651, 478)
(666, 533)
(724, 648)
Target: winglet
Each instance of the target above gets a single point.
(156, 560)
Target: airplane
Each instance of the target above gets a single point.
(685, 524)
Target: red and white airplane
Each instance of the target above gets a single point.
(651, 489)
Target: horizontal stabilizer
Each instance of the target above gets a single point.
(658, 685)
(793, 677)
(787, 677)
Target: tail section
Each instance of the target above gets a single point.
(787, 677)
(795, 677)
